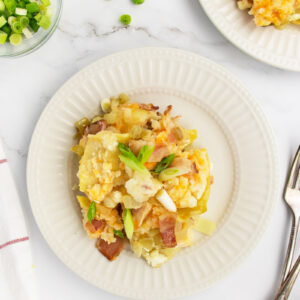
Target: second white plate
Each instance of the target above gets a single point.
(230, 125)
(279, 48)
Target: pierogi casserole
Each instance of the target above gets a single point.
(141, 181)
(272, 12)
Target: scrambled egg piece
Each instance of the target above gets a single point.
(268, 12)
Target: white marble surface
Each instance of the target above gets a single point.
(89, 30)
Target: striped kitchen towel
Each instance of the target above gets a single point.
(16, 269)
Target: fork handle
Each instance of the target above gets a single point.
(286, 287)
(291, 247)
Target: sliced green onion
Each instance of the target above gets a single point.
(32, 7)
(164, 163)
(6, 29)
(91, 212)
(125, 19)
(38, 17)
(27, 33)
(119, 233)
(170, 173)
(15, 39)
(137, 2)
(145, 153)
(11, 20)
(16, 27)
(2, 6)
(10, 6)
(34, 25)
(46, 2)
(134, 164)
(24, 21)
(21, 11)
(45, 22)
(2, 21)
(128, 223)
(129, 159)
(3, 37)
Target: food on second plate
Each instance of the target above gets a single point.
(272, 12)
(22, 18)
(141, 180)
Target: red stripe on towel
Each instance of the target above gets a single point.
(26, 238)
(2, 161)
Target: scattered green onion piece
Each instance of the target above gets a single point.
(119, 233)
(145, 153)
(45, 22)
(2, 21)
(164, 163)
(34, 25)
(137, 2)
(15, 39)
(125, 19)
(16, 27)
(32, 7)
(128, 223)
(21, 11)
(2, 6)
(91, 212)
(24, 21)
(3, 37)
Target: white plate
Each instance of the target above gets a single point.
(230, 125)
(279, 48)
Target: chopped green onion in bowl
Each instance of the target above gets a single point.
(22, 18)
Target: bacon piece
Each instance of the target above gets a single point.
(95, 127)
(98, 224)
(148, 106)
(140, 214)
(167, 230)
(160, 151)
(95, 225)
(136, 145)
(110, 251)
(194, 168)
(212, 179)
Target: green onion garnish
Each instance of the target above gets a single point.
(128, 223)
(91, 212)
(119, 233)
(145, 153)
(164, 163)
(130, 160)
(125, 19)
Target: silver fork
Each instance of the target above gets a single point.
(292, 197)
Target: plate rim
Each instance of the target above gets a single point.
(250, 101)
(283, 64)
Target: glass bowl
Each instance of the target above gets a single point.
(38, 39)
